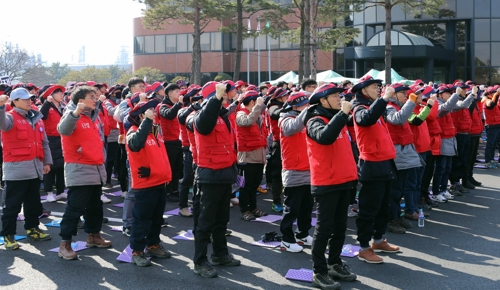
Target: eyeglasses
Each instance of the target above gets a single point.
(93, 98)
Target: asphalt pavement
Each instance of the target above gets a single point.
(457, 249)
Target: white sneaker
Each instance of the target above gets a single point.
(446, 194)
(351, 212)
(124, 193)
(235, 200)
(104, 199)
(291, 247)
(230, 205)
(307, 241)
(50, 197)
(63, 195)
(438, 198)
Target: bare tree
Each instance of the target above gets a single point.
(14, 62)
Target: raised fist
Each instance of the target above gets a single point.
(50, 99)
(474, 90)
(3, 100)
(346, 107)
(431, 102)
(102, 98)
(143, 97)
(389, 92)
(150, 114)
(79, 109)
(458, 91)
(220, 90)
(260, 101)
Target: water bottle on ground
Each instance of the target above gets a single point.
(421, 218)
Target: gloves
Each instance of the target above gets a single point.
(220, 90)
(413, 97)
(144, 172)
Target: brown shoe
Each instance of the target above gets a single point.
(369, 256)
(66, 252)
(384, 247)
(410, 216)
(426, 214)
(95, 240)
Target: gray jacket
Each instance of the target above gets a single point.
(406, 156)
(25, 169)
(291, 124)
(448, 145)
(76, 174)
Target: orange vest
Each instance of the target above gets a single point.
(84, 145)
(22, 142)
(250, 138)
(216, 150)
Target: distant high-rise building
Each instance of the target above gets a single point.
(123, 56)
(81, 55)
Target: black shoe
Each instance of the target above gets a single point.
(341, 272)
(423, 205)
(228, 232)
(205, 269)
(394, 227)
(126, 231)
(404, 223)
(475, 182)
(173, 197)
(227, 260)
(324, 281)
(468, 185)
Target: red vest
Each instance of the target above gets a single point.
(477, 126)
(462, 120)
(422, 140)
(113, 125)
(492, 116)
(294, 151)
(400, 134)
(332, 164)
(374, 142)
(84, 145)
(216, 150)
(250, 138)
(170, 128)
(22, 142)
(184, 135)
(447, 127)
(152, 156)
(434, 130)
(51, 122)
(275, 129)
(104, 119)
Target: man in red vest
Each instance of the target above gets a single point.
(215, 174)
(251, 144)
(167, 114)
(492, 125)
(150, 172)
(376, 167)
(333, 175)
(26, 157)
(83, 149)
(296, 174)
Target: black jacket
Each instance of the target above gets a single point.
(365, 117)
(205, 121)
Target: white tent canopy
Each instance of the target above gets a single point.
(288, 77)
(327, 74)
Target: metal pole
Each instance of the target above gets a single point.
(258, 52)
(248, 60)
(269, 56)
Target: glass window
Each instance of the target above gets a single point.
(482, 54)
(495, 56)
(339, 60)
(139, 44)
(285, 2)
(495, 23)
(380, 14)
(262, 41)
(248, 43)
(495, 75)
(275, 43)
(370, 15)
(495, 6)
(465, 8)
(171, 43)
(358, 17)
(182, 42)
(462, 32)
(461, 55)
(285, 43)
(482, 8)
(205, 41)
(149, 44)
(482, 75)
(216, 41)
(482, 30)
(159, 43)
(190, 42)
(397, 13)
(370, 31)
(358, 39)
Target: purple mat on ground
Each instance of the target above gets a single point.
(43, 197)
(116, 229)
(188, 236)
(313, 222)
(118, 204)
(304, 275)
(43, 215)
(126, 255)
(482, 166)
(315, 212)
(76, 246)
(17, 238)
(260, 243)
(116, 193)
(54, 223)
(268, 219)
(20, 217)
(350, 251)
(175, 211)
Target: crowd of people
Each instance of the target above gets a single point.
(354, 150)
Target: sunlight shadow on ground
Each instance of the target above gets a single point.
(482, 237)
(453, 212)
(468, 204)
(446, 224)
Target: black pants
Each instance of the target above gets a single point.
(86, 201)
(276, 166)
(430, 162)
(373, 210)
(17, 193)
(113, 153)
(123, 173)
(188, 177)
(397, 192)
(331, 226)
(196, 202)
(471, 157)
(174, 152)
(147, 217)
(248, 193)
(298, 205)
(55, 175)
(459, 163)
(213, 219)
